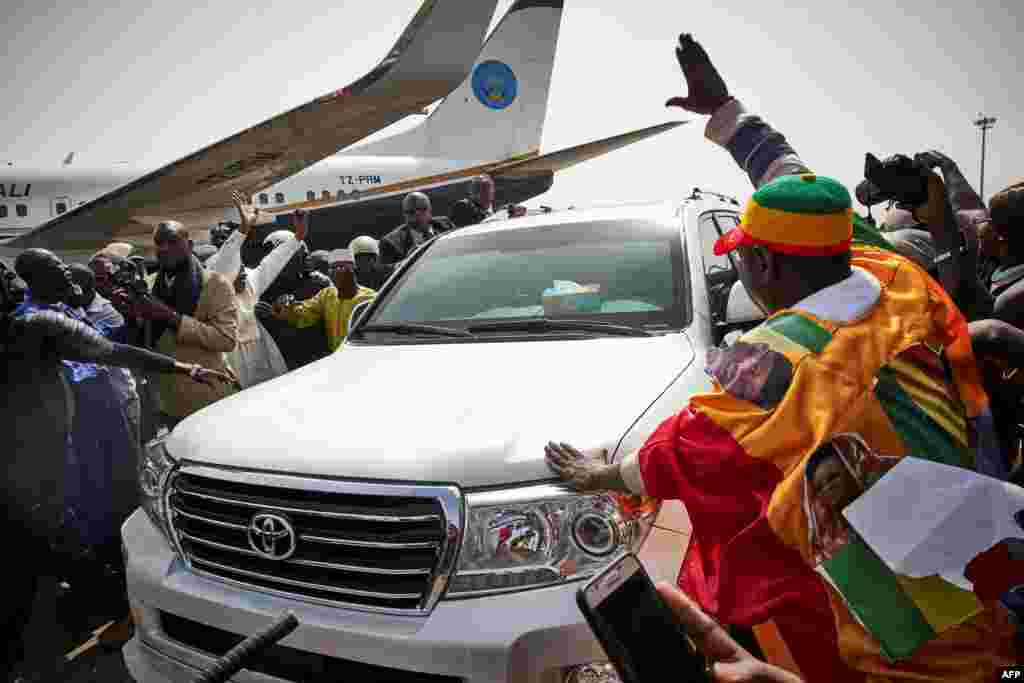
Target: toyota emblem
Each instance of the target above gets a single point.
(272, 536)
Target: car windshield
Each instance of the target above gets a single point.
(619, 272)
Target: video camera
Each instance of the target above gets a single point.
(898, 178)
(128, 275)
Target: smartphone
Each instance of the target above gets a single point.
(642, 637)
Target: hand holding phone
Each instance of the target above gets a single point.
(645, 631)
(639, 632)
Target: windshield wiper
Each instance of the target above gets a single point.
(549, 325)
(414, 328)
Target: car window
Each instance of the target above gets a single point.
(633, 271)
(712, 225)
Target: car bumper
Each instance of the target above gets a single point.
(528, 636)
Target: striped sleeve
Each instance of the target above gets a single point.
(761, 151)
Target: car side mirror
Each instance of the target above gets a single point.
(740, 308)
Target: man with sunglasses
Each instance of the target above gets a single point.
(332, 306)
(420, 226)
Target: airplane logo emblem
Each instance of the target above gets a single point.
(495, 84)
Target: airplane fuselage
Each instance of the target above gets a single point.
(31, 197)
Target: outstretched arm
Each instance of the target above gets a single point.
(76, 341)
(273, 263)
(306, 313)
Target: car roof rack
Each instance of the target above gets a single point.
(698, 193)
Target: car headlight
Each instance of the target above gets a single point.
(154, 471)
(544, 535)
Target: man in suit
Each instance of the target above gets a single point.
(195, 320)
(420, 226)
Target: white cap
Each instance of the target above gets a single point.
(364, 244)
(340, 255)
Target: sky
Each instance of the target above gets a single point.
(150, 82)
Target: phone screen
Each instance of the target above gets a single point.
(652, 640)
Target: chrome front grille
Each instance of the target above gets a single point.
(381, 547)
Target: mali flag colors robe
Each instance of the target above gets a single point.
(738, 459)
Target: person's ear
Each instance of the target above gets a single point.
(763, 262)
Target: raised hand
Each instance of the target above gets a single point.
(301, 225)
(248, 215)
(934, 159)
(706, 91)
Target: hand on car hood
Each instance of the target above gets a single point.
(476, 414)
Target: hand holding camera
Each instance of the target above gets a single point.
(898, 178)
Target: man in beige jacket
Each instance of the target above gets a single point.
(195, 319)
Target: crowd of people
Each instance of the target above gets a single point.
(103, 356)
(882, 339)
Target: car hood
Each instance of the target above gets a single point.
(474, 414)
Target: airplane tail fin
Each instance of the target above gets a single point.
(68, 159)
(570, 156)
(498, 111)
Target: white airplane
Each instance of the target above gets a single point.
(72, 209)
(491, 123)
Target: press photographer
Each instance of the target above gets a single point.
(913, 185)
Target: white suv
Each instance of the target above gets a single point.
(395, 496)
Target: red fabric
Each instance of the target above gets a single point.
(994, 572)
(736, 568)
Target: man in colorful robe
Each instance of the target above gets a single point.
(865, 334)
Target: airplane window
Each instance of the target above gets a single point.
(3, 211)
(264, 199)
(22, 210)
(325, 194)
(310, 196)
(279, 197)
(61, 207)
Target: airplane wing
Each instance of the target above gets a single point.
(566, 158)
(430, 59)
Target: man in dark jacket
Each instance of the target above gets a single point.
(419, 227)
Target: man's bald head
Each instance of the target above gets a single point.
(173, 246)
(48, 278)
